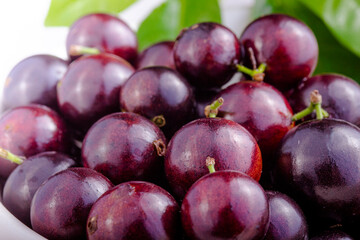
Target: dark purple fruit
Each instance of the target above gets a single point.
(332, 234)
(134, 210)
(90, 88)
(206, 54)
(261, 109)
(124, 147)
(23, 182)
(159, 91)
(203, 98)
(105, 32)
(225, 205)
(61, 205)
(31, 129)
(287, 220)
(33, 80)
(159, 54)
(340, 96)
(318, 165)
(230, 144)
(287, 46)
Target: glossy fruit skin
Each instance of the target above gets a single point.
(225, 205)
(121, 146)
(318, 166)
(287, 46)
(23, 182)
(33, 80)
(105, 32)
(332, 234)
(206, 54)
(203, 98)
(134, 210)
(158, 54)
(340, 96)
(287, 220)
(61, 205)
(90, 88)
(230, 144)
(155, 91)
(29, 130)
(261, 109)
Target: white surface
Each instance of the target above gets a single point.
(23, 34)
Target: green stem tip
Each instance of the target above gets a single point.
(77, 50)
(11, 157)
(256, 74)
(210, 163)
(212, 110)
(315, 104)
(159, 120)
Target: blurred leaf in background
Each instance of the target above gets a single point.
(166, 21)
(65, 12)
(338, 42)
(342, 19)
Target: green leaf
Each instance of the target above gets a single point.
(342, 17)
(333, 56)
(65, 12)
(167, 20)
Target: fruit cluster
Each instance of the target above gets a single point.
(113, 144)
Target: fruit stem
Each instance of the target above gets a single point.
(303, 113)
(212, 110)
(319, 114)
(257, 74)
(11, 157)
(210, 163)
(159, 120)
(315, 104)
(160, 147)
(77, 50)
(325, 113)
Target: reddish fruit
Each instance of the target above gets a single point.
(31, 129)
(206, 54)
(286, 45)
(105, 32)
(159, 91)
(134, 210)
(225, 205)
(33, 80)
(61, 205)
(159, 54)
(124, 147)
(230, 144)
(90, 88)
(23, 182)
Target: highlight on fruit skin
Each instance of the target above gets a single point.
(134, 210)
(234, 204)
(206, 54)
(230, 144)
(318, 154)
(287, 47)
(340, 96)
(113, 36)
